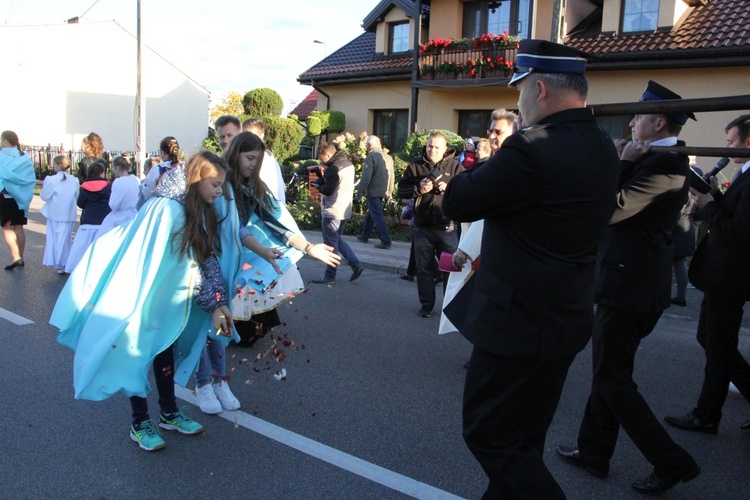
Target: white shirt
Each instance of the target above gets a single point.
(270, 174)
(61, 197)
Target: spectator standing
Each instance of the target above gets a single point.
(501, 126)
(376, 185)
(527, 310)
(633, 289)
(336, 184)
(270, 170)
(17, 181)
(60, 192)
(227, 126)
(466, 256)
(425, 181)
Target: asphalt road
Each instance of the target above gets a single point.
(370, 408)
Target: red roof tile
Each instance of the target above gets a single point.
(307, 106)
(358, 59)
(720, 28)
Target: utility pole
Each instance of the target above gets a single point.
(140, 98)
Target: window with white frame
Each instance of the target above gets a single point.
(639, 15)
(399, 37)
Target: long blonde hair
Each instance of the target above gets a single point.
(199, 237)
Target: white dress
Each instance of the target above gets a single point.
(122, 202)
(471, 244)
(60, 192)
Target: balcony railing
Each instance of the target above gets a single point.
(483, 57)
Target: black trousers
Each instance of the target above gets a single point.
(508, 407)
(718, 332)
(164, 377)
(615, 401)
(429, 242)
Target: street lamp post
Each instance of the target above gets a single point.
(325, 48)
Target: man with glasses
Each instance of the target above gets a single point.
(500, 128)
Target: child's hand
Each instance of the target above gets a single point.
(270, 255)
(324, 254)
(222, 321)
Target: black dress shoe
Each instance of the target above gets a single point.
(18, 263)
(678, 302)
(407, 277)
(573, 456)
(690, 422)
(653, 485)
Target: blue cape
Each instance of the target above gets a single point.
(131, 297)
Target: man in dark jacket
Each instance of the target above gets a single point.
(633, 289)
(545, 198)
(721, 270)
(426, 180)
(376, 184)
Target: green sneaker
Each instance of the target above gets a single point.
(147, 436)
(177, 421)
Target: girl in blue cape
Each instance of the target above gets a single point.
(132, 300)
(262, 216)
(17, 180)
(261, 283)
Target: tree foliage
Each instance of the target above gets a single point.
(330, 121)
(283, 137)
(230, 105)
(263, 102)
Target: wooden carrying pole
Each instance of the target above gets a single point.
(732, 103)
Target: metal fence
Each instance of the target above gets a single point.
(42, 157)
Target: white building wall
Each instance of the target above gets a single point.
(60, 82)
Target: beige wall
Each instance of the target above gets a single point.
(446, 18)
(438, 108)
(708, 131)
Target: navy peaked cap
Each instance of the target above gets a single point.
(541, 56)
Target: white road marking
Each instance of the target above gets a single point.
(14, 318)
(333, 456)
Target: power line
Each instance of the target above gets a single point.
(87, 10)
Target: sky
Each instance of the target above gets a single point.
(224, 45)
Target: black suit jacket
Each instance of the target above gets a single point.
(546, 197)
(635, 273)
(721, 264)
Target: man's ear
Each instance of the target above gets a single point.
(541, 87)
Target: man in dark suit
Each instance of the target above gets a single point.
(633, 289)
(545, 198)
(721, 270)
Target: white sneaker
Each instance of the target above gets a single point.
(225, 396)
(206, 400)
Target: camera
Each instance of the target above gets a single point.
(434, 175)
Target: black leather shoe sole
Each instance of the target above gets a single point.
(573, 457)
(652, 485)
(692, 424)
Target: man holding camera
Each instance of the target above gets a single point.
(425, 181)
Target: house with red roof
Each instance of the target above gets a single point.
(460, 70)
